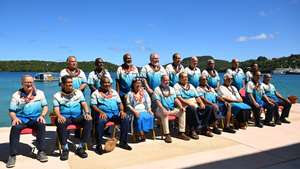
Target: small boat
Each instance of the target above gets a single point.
(44, 77)
(295, 71)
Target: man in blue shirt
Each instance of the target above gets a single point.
(107, 105)
(68, 104)
(28, 108)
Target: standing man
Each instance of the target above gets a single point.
(237, 74)
(152, 73)
(28, 108)
(249, 73)
(126, 73)
(211, 74)
(193, 72)
(68, 104)
(95, 76)
(173, 69)
(78, 76)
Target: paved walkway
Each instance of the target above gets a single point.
(266, 148)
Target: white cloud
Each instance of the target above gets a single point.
(62, 19)
(262, 13)
(262, 36)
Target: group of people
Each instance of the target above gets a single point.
(197, 100)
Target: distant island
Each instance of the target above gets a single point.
(265, 64)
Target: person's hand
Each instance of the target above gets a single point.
(150, 111)
(61, 119)
(181, 109)
(136, 114)
(227, 104)
(16, 121)
(102, 116)
(123, 115)
(41, 119)
(271, 103)
(288, 101)
(257, 105)
(87, 117)
(165, 113)
(202, 106)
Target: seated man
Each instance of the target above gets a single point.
(239, 109)
(28, 108)
(166, 105)
(219, 105)
(198, 116)
(107, 105)
(68, 104)
(258, 100)
(278, 99)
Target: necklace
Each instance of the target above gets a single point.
(73, 73)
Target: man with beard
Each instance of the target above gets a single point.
(249, 74)
(237, 74)
(68, 104)
(28, 108)
(174, 69)
(152, 73)
(211, 74)
(125, 75)
(107, 105)
(78, 76)
(168, 104)
(95, 76)
(193, 72)
(197, 114)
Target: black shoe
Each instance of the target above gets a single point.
(228, 130)
(125, 146)
(194, 135)
(259, 125)
(168, 138)
(41, 156)
(11, 161)
(285, 121)
(182, 136)
(99, 150)
(64, 155)
(278, 122)
(216, 131)
(141, 139)
(269, 124)
(81, 152)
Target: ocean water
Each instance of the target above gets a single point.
(10, 82)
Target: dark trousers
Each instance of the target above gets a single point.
(14, 136)
(63, 133)
(286, 109)
(196, 117)
(271, 111)
(124, 127)
(243, 116)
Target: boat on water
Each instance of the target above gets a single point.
(44, 77)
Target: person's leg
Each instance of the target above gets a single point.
(124, 127)
(164, 121)
(40, 133)
(286, 109)
(100, 124)
(269, 114)
(62, 132)
(181, 124)
(14, 138)
(206, 116)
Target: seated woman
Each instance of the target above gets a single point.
(278, 99)
(198, 116)
(258, 100)
(231, 95)
(107, 105)
(139, 103)
(219, 105)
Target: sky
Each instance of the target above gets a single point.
(54, 29)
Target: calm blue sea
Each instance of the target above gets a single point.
(10, 82)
